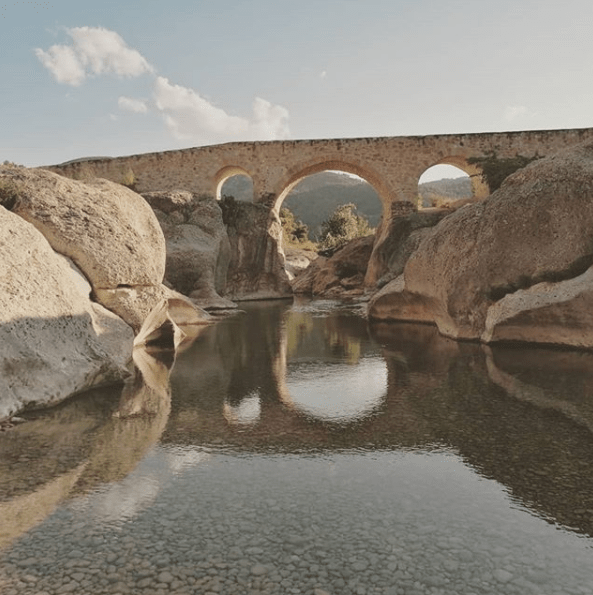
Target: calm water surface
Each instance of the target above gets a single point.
(293, 449)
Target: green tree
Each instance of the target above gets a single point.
(343, 225)
(295, 231)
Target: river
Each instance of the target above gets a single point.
(293, 448)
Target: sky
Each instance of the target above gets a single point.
(110, 78)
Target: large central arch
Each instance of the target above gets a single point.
(302, 170)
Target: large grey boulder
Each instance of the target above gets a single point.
(110, 233)
(557, 313)
(485, 270)
(198, 248)
(54, 341)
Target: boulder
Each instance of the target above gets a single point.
(557, 313)
(536, 229)
(54, 341)
(110, 233)
(198, 248)
(392, 302)
(395, 244)
(134, 304)
(256, 270)
(297, 261)
(341, 275)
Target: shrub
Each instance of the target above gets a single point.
(496, 169)
(294, 231)
(129, 179)
(9, 193)
(343, 225)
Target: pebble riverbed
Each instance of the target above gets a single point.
(200, 521)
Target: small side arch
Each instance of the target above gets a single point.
(224, 174)
(480, 189)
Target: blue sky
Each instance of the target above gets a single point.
(116, 78)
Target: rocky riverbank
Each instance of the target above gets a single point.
(81, 271)
(515, 267)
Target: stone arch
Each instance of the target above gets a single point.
(224, 174)
(479, 188)
(298, 173)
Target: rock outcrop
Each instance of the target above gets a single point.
(297, 261)
(54, 341)
(64, 246)
(514, 267)
(341, 275)
(198, 248)
(108, 231)
(398, 241)
(256, 270)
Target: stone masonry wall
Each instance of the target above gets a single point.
(392, 165)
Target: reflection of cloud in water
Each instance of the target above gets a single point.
(179, 458)
(245, 413)
(340, 391)
(121, 501)
(125, 499)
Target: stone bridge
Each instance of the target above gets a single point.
(392, 165)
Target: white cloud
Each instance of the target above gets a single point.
(188, 116)
(95, 50)
(63, 63)
(513, 112)
(132, 105)
(191, 117)
(270, 122)
(323, 74)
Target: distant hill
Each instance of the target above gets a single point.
(316, 197)
(445, 190)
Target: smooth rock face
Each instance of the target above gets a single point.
(109, 231)
(398, 241)
(341, 275)
(537, 228)
(559, 313)
(256, 270)
(198, 248)
(54, 342)
(392, 302)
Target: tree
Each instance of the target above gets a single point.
(343, 225)
(294, 230)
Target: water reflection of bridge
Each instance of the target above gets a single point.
(520, 416)
(523, 417)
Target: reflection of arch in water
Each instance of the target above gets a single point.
(245, 413)
(341, 392)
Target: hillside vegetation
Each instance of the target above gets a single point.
(314, 199)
